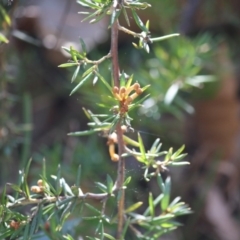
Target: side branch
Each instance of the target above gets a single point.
(97, 62)
(25, 202)
(134, 34)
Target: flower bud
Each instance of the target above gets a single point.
(36, 189)
(136, 86)
(15, 225)
(124, 128)
(115, 157)
(115, 89)
(139, 91)
(40, 182)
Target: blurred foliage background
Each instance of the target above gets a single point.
(194, 100)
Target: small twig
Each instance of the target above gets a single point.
(25, 202)
(135, 231)
(96, 62)
(134, 34)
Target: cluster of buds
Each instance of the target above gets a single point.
(112, 140)
(124, 97)
(14, 224)
(39, 188)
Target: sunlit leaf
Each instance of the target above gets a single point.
(5, 16)
(65, 65)
(3, 38)
(133, 207)
(109, 236)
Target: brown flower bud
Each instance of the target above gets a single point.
(36, 189)
(139, 91)
(136, 86)
(40, 182)
(112, 153)
(124, 128)
(122, 90)
(115, 89)
(115, 157)
(15, 225)
(129, 100)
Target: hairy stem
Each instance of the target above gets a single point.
(121, 163)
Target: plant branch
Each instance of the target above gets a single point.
(96, 62)
(120, 181)
(134, 34)
(25, 202)
(121, 163)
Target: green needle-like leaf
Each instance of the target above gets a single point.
(164, 37)
(130, 141)
(58, 181)
(84, 133)
(160, 183)
(129, 81)
(33, 226)
(78, 180)
(133, 207)
(102, 187)
(66, 65)
(83, 45)
(139, 22)
(104, 81)
(126, 16)
(3, 38)
(166, 193)
(81, 83)
(92, 208)
(109, 236)
(75, 73)
(4, 15)
(26, 232)
(151, 205)
(155, 203)
(115, 16)
(142, 148)
(109, 184)
(127, 181)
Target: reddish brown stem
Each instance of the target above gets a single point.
(121, 163)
